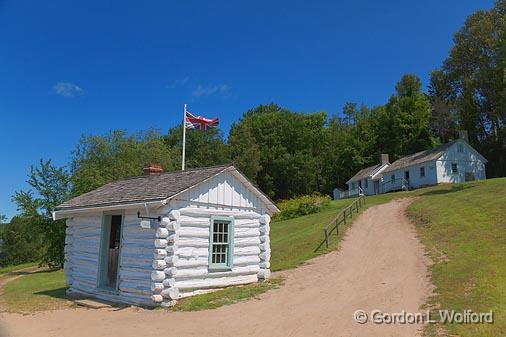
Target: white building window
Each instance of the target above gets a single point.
(455, 168)
(460, 147)
(392, 178)
(422, 171)
(366, 184)
(221, 243)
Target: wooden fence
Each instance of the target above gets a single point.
(342, 218)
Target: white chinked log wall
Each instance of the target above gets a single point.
(171, 260)
(185, 262)
(82, 243)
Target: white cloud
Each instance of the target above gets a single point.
(180, 83)
(201, 91)
(67, 89)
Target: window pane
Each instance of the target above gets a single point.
(220, 242)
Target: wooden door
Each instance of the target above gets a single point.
(376, 187)
(110, 252)
(113, 251)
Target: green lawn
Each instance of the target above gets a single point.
(42, 290)
(464, 228)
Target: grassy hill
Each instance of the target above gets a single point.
(464, 229)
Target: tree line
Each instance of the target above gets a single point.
(286, 153)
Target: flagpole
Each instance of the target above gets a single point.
(184, 138)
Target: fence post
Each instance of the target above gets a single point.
(344, 216)
(360, 202)
(351, 211)
(337, 225)
(325, 231)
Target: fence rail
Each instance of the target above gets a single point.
(395, 185)
(341, 217)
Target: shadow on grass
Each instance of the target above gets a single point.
(449, 189)
(61, 293)
(30, 272)
(55, 293)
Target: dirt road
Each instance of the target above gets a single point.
(381, 265)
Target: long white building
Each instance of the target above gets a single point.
(453, 162)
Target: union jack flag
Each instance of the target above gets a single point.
(199, 122)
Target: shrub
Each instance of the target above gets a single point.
(302, 205)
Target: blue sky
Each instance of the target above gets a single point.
(69, 68)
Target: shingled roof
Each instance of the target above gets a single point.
(419, 157)
(366, 172)
(151, 188)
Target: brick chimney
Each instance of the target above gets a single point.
(384, 158)
(463, 135)
(151, 169)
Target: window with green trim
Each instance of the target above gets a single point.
(221, 243)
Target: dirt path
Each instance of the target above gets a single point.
(13, 275)
(381, 265)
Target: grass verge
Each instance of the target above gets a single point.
(463, 228)
(38, 291)
(226, 296)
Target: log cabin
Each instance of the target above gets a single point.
(153, 239)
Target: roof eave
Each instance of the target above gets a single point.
(380, 170)
(72, 211)
(270, 205)
(68, 212)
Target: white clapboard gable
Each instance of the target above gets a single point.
(224, 190)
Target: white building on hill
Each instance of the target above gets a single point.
(453, 162)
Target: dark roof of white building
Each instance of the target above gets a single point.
(427, 155)
(149, 188)
(366, 172)
(419, 157)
